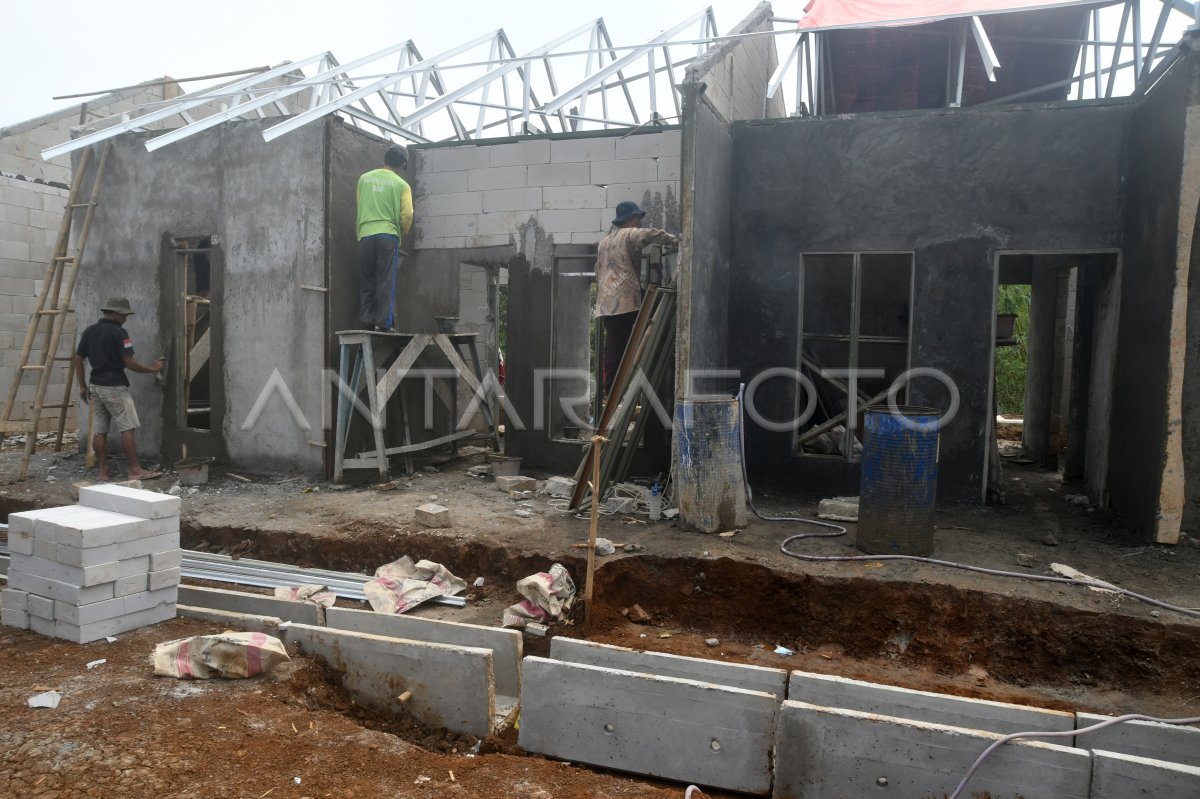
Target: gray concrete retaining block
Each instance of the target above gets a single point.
(451, 686)
(14, 618)
(41, 607)
(954, 711)
(255, 604)
(58, 591)
(1118, 776)
(85, 576)
(242, 621)
(506, 645)
(1170, 742)
(82, 634)
(823, 753)
(732, 675)
(41, 626)
(656, 726)
(130, 501)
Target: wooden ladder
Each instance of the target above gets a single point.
(54, 306)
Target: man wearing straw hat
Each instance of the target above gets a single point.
(109, 350)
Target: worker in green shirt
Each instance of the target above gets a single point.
(385, 212)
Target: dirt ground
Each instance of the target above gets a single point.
(908, 624)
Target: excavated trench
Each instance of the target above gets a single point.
(931, 627)
(934, 628)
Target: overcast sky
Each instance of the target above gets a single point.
(71, 46)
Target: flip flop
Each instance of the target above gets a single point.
(148, 476)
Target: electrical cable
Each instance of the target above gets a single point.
(1061, 734)
(840, 531)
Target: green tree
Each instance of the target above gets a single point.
(1011, 361)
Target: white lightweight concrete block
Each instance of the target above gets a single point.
(825, 752)
(523, 199)
(14, 618)
(451, 686)
(75, 575)
(501, 223)
(953, 711)
(171, 559)
(59, 591)
(82, 615)
(656, 726)
(506, 645)
(165, 578)
(138, 551)
(12, 599)
(132, 567)
(629, 170)
(731, 675)
(82, 634)
(583, 221)
(104, 528)
(500, 177)
(432, 515)
(559, 174)
(649, 145)
(449, 159)
(255, 604)
(470, 202)
(1118, 776)
(134, 584)
(507, 483)
(619, 192)
(431, 183)
(599, 148)
(241, 621)
(43, 549)
(130, 501)
(449, 226)
(41, 626)
(1171, 742)
(536, 151)
(20, 543)
(668, 168)
(41, 607)
(572, 198)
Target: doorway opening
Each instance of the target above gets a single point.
(1055, 349)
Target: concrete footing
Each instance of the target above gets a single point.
(1117, 776)
(1169, 742)
(253, 604)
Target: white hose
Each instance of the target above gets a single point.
(1061, 734)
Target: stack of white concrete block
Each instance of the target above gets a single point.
(105, 566)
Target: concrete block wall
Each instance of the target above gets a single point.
(736, 73)
(480, 195)
(33, 196)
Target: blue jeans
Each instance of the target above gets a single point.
(378, 262)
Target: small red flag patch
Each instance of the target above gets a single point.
(128, 344)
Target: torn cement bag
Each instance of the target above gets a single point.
(400, 586)
(226, 655)
(547, 596)
(313, 594)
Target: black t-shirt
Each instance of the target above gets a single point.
(105, 345)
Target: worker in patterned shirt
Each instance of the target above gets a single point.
(618, 281)
(385, 213)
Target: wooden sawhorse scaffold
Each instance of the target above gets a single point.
(389, 357)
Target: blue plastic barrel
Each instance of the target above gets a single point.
(708, 483)
(898, 492)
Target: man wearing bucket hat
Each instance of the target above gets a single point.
(618, 281)
(109, 350)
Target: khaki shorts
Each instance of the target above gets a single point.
(114, 410)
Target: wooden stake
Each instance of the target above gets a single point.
(90, 460)
(591, 562)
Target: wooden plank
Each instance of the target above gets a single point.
(422, 445)
(404, 361)
(198, 356)
(457, 362)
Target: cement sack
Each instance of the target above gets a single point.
(226, 655)
(313, 594)
(400, 586)
(548, 595)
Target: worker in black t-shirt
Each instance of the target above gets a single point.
(109, 350)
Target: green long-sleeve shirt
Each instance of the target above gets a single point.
(384, 204)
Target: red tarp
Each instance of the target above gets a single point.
(859, 13)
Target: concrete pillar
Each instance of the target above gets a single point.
(1040, 370)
